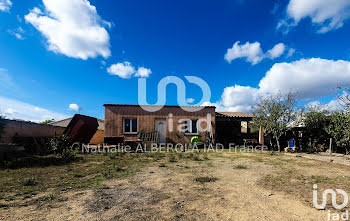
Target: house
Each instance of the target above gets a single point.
(173, 124)
(124, 122)
(234, 128)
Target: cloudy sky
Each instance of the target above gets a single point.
(59, 57)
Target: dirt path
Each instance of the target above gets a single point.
(335, 158)
(171, 193)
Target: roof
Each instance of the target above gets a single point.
(70, 118)
(299, 122)
(65, 122)
(138, 105)
(233, 114)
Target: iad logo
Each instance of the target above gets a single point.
(334, 198)
(343, 215)
(181, 93)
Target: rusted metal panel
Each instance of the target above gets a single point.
(81, 129)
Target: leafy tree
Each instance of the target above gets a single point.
(339, 129)
(48, 121)
(274, 113)
(317, 120)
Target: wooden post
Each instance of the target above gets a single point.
(261, 138)
(330, 147)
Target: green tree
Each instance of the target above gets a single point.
(274, 113)
(339, 129)
(317, 120)
(48, 121)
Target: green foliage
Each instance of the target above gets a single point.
(48, 121)
(316, 124)
(339, 129)
(274, 113)
(68, 155)
(317, 121)
(58, 143)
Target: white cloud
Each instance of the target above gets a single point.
(123, 70)
(18, 33)
(326, 14)
(5, 5)
(189, 100)
(126, 70)
(291, 52)
(276, 51)
(333, 105)
(74, 107)
(143, 72)
(253, 52)
(14, 109)
(72, 28)
(238, 98)
(310, 79)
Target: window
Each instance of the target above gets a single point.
(130, 126)
(191, 127)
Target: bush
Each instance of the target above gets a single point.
(58, 144)
(68, 155)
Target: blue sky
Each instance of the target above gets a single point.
(54, 53)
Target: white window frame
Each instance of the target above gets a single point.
(190, 127)
(130, 132)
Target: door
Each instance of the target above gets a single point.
(161, 128)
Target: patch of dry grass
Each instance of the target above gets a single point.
(25, 178)
(206, 179)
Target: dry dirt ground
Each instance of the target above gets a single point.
(240, 186)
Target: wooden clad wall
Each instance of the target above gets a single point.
(114, 115)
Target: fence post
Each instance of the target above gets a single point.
(330, 146)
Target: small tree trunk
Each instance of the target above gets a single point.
(278, 144)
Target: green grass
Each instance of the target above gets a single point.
(241, 167)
